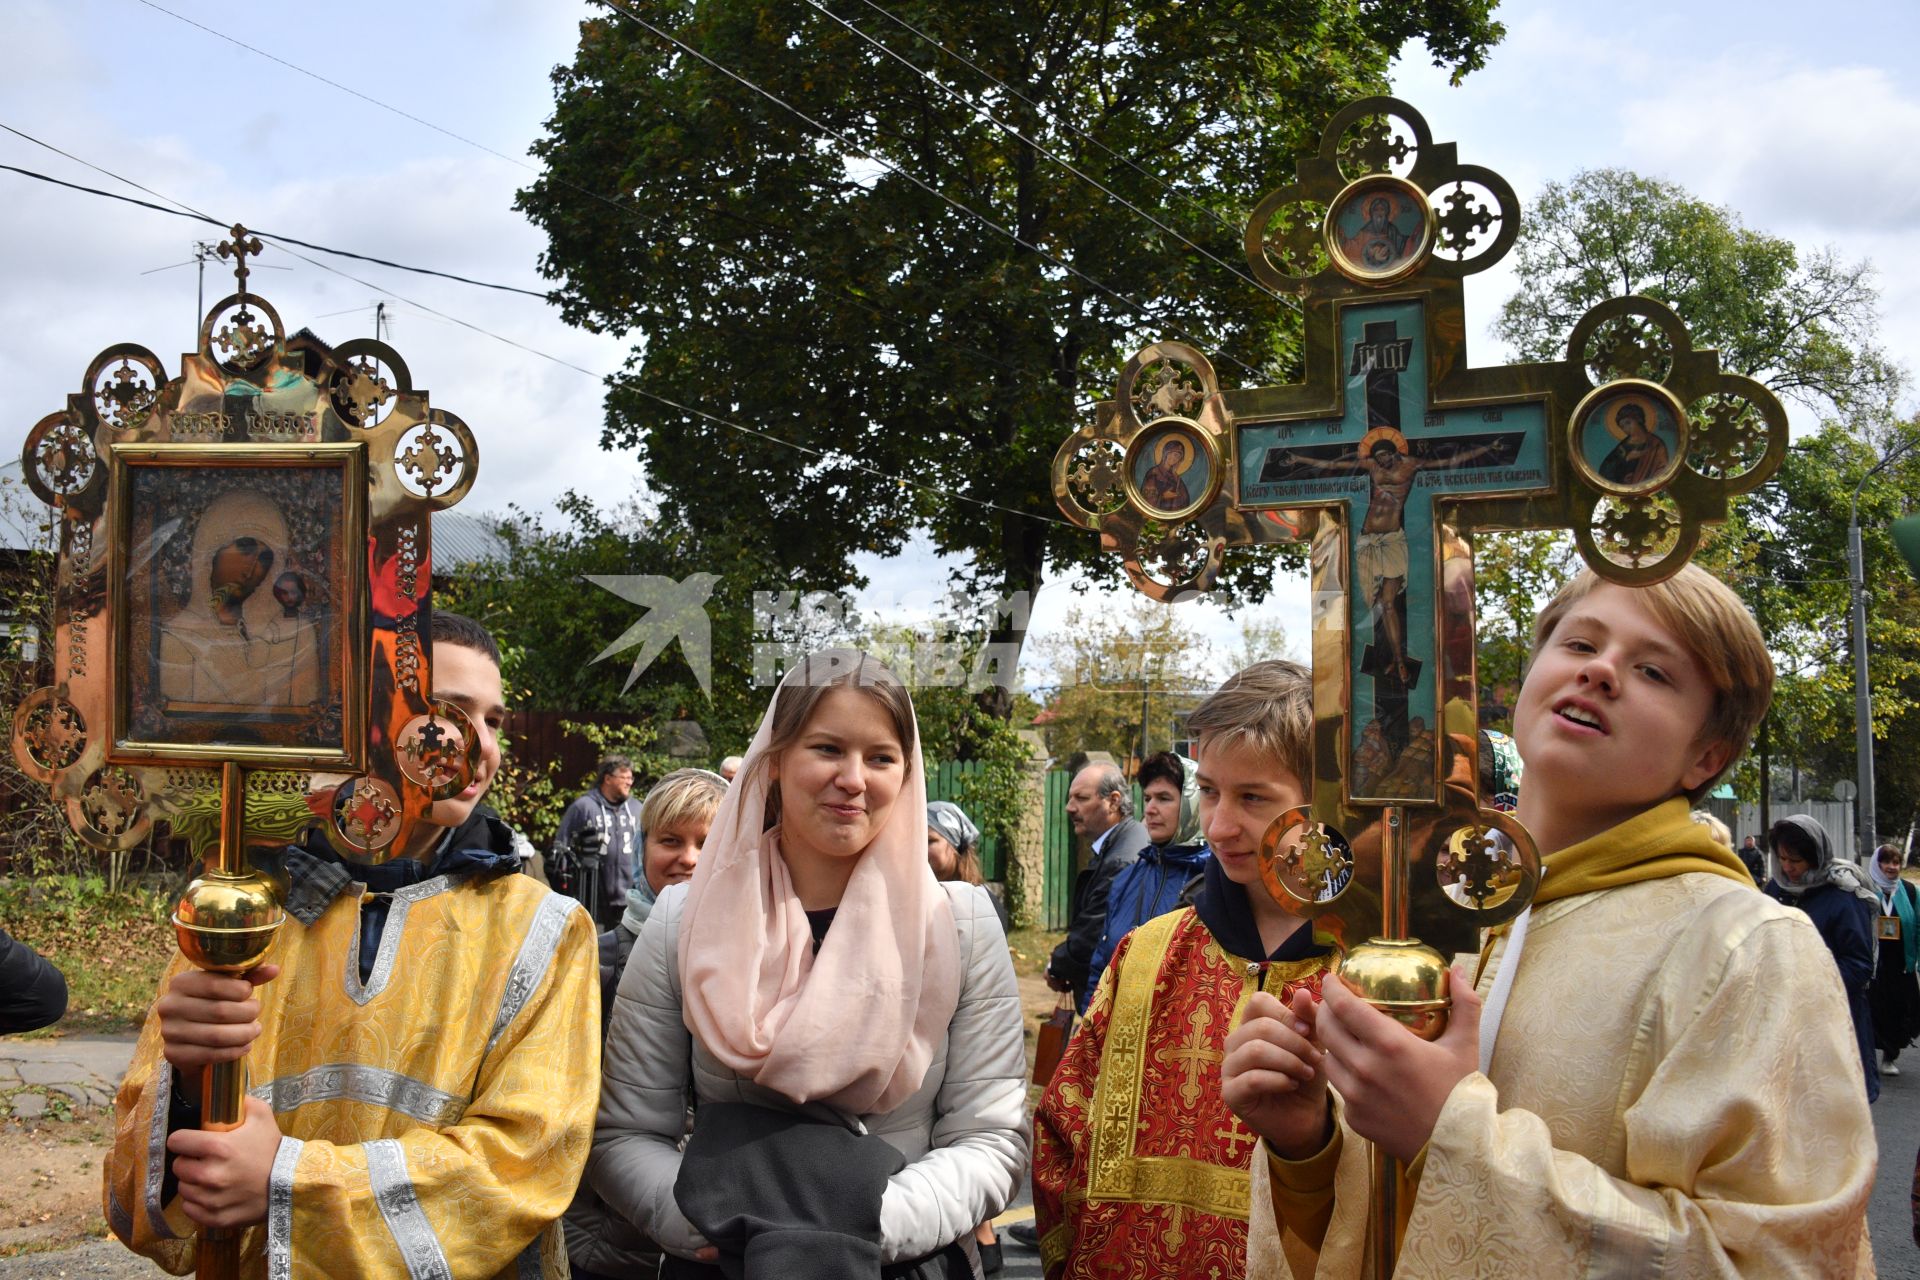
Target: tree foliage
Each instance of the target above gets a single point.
(34, 832)
(1113, 667)
(791, 276)
(1805, 327)
(1788, 556)
(552, 623)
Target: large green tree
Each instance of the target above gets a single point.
(1804, 324)
(1796, 577)
(835, 281)
(1123, 678)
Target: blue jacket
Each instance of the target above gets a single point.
(1148, 887)
(1846, 922)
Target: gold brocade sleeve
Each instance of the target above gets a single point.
(1748, 1152)
(1060, 1132)
(1301, 1194)
(469, 1198)
(1309, 1218)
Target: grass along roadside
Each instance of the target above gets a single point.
(111, 947)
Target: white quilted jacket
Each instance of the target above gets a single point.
(964, 1132)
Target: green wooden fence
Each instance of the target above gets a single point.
(1059, 851)
(1057, 862)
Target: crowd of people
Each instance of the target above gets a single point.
(798, 1045)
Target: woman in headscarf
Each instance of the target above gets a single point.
(1157, 881)
(953, 848)
(849, 1027)
(953, 851)
(1894, 996)
(674, 820)
(1834, 893)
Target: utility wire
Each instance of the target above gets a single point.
(196, 215)
(977, 69)
(718, 419)
(182, 209)
(187, 211)
(626, 208)
(1133, 304)
(1068, 165)
(314, 75)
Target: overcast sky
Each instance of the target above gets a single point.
(1799, 117)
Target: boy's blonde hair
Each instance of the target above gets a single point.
(682, 797)
(1268, 706)
(1711, 623)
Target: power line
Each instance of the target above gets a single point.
(1134, 304)
(187, 211)
(191, 212)
(1008, 129)
(314, 75)
(715, 418)
(626, 208)
(1048, 117)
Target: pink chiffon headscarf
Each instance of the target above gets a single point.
(857, 1024)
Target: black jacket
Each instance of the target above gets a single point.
(32, 992)
(1846, 923)
(1072, 960)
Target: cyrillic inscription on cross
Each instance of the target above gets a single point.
(1393, 451)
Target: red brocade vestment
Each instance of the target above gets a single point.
(1139, 1169)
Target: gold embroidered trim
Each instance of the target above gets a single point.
(1113, 1171)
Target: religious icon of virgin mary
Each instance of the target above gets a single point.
(1163, 487)
(1640, 457)
(239, 645)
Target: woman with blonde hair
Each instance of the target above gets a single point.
(849, 1027)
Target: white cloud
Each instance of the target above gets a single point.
(1827, 149)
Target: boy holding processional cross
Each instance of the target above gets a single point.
(1652, 1072)
(1139, 1169)
(424, 1075)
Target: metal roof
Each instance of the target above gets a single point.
(461, 541)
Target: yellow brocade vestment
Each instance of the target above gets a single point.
(1139, 1169)
(1675, 1092)
(437, 1117)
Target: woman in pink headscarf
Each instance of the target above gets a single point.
(815, 979)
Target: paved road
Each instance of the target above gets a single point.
(1896, 1121)
(86, 1070)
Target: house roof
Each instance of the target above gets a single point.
(461, 541)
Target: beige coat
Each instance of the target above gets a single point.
(1675, 1091)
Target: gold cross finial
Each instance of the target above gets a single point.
(240, 248)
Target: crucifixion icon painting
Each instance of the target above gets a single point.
(1386, 456)
(1389, 455)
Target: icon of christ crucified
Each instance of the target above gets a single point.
(1380, 551)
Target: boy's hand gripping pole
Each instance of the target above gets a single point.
(226, 923)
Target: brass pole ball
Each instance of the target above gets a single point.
(226, 922)
(1404, 979)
